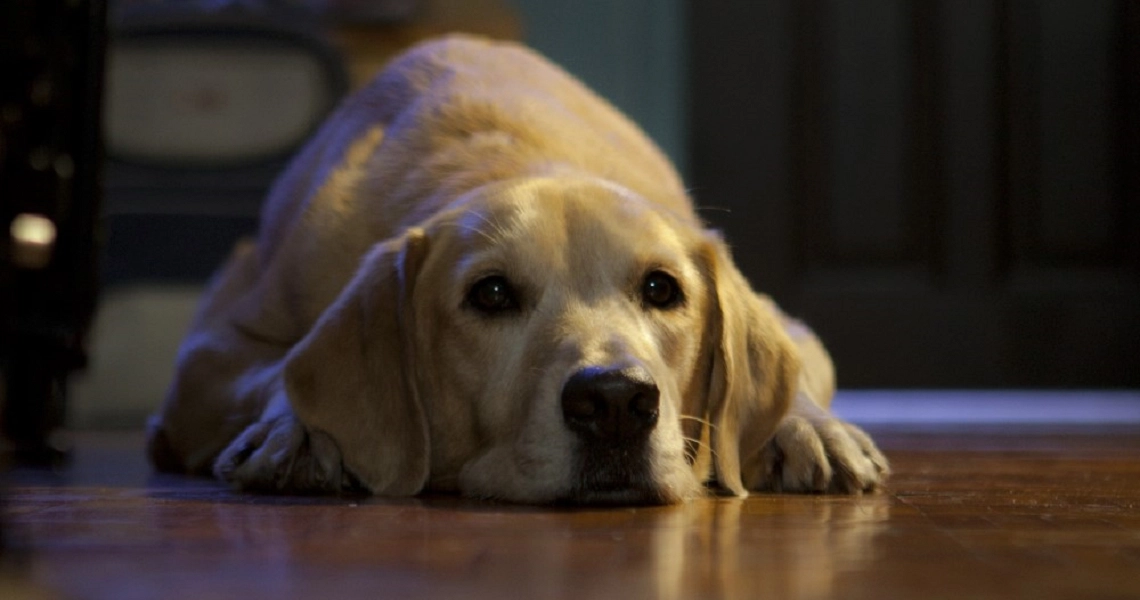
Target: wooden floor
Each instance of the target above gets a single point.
(1027, 513)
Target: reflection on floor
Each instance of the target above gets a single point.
(997, 512)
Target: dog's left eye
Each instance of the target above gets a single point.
(492, 295)
(660, 290)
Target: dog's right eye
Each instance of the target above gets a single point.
(660, 290)
(492, 295)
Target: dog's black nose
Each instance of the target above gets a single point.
(611, 404)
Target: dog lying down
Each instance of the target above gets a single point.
(480, 277)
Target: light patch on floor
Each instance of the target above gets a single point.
(965, 407)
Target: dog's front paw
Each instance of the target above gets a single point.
(282, 456)
(825, 455)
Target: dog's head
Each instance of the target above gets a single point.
(544, 340)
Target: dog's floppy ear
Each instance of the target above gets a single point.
(351, 376)
(755, 367)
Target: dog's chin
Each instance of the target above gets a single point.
(612, 475)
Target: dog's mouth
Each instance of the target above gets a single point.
(613, 475)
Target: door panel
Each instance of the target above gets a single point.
(946, 190)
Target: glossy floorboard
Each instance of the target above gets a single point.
(999, 514)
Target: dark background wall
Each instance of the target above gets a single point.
(948, 191)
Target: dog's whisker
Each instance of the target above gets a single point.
(493, 232)
(701, 444)
(697, 419)
(476, 230)
(496, 227)
(722, 209)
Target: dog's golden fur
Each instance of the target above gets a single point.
(341, 348)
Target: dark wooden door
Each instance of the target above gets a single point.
(948, 191)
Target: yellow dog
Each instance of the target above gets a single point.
(480, 277)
